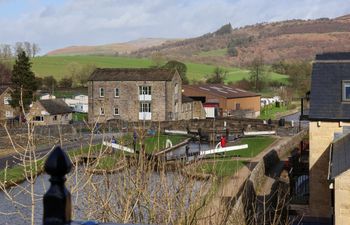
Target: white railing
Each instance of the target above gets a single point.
(145, 116)
(145, 97)
(225, 149)
(117, 146)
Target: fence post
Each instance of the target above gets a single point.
(57, 200)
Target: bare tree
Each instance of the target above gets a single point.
(6, 51)
(27, 48)
(35, 49)
(18, 48)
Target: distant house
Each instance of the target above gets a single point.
(50, 111)
(134, 95)
(6, 111)
(78, 103)
(192, 109)
(46, 96)
(224, 100)
(329, 116)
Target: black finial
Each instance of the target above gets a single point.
(57, 200)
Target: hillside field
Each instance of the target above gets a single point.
(58, 66)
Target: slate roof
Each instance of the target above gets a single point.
(131, 74)
(221, 90)
(326, 87)
(3, 89)
(333, 56)
(55, 106)
(340, 159)
(186, 99)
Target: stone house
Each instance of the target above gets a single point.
(6, 111)
(50, 112)
(329, 122)
(226, 100)
(134, 95)
(191, 109)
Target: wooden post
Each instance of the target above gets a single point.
(57, 200)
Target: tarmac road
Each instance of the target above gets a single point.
(67, 146)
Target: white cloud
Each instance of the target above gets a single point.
(105, 21)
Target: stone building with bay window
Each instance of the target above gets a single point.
(134, 95)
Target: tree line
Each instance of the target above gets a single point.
(9, 51)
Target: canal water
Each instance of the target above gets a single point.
(87, 199)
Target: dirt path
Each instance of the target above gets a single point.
(230, 187)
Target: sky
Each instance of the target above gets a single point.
(60, 23)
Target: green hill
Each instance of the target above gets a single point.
(58, 66)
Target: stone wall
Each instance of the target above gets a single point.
(258, 175)
(341, 199)
(321, 136)
(233, 124)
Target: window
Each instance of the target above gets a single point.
(38, 118)
(116, 92)
(102, 111)
(145, 107)
(346, 90)
(116, 111)
(8, 114)
(176, 88)
(145, 90)
(102, 92)
(55, 117)
(238, 106)
(7, 100)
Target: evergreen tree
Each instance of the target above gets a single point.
(24, 81)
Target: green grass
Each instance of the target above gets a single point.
(58, 66)
(255, 146)
(16, 174)
(151, 143)
(71, 92)
(271, 111)
(220, 168)
(216, 52)
(80, 116)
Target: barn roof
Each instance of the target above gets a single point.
(131, 74)
(55, 106)
(328, 72)
(221, 90)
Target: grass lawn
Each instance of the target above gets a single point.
(255, 146)
(271, 111)
(77, 116)
(16, 173)
(58, 66)
(220, 168)
(69, 93)
(151, 143)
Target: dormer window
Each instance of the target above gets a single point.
(346, 90)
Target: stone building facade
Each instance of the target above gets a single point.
(329, 118)
(50, 112)
(192, 109)
(134, 95)
(6, 111)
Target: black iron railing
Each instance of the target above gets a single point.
(57, 200)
